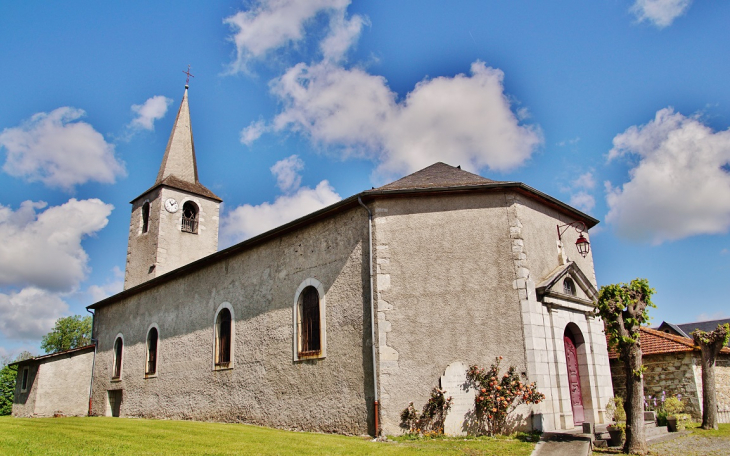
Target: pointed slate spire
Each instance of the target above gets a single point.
(179, 159)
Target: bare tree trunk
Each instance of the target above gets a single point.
(635, 435)
(709, 397)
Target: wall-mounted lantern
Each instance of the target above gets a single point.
(582, 243)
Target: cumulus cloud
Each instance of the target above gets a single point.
(153, 109)
(585, 180)
(253, 132)
(583, 201)
(30, 313)
(248, 220)
(681, 184)
(59, 150)
(287, 174)
(661, 13)
(43, 249)
(273, 24)
(465, 119)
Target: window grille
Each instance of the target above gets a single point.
(310, 335)
(569, 287)
(190, 218)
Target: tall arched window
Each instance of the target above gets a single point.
(223, 339)
(190, 217)
(152, 339)
(569, 286)
(118, 348)
(310, 335)
(145, 216)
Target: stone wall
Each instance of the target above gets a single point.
(722, 382)
(673, 373)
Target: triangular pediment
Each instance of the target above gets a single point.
(553, 284)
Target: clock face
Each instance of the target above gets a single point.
(171, 205)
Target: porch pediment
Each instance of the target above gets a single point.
(552, 289)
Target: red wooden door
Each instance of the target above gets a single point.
(576, 397)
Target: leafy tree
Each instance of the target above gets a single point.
(624, 308)
(710, 343)
(69, 332)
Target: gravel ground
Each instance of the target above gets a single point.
(692, 445)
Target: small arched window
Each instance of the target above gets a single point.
(118, 348)
(223, 339)
(569, 286)
(152, 339)
(190, 217)
(310, 334)
(145, 217)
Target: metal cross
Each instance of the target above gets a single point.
(187, 81)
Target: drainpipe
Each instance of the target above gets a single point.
(376, 405)
(93, 360)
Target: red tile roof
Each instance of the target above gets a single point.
(655, 342)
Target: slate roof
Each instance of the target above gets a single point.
(655, 342)
(438, 175)
(686, 329)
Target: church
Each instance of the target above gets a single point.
(335, 321)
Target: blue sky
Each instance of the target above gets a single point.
(620, 108)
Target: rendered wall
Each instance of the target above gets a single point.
(444, 293)
(58, 386)
(265, 386)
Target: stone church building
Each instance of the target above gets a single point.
(336, 321)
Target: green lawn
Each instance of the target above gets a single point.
(120, 436)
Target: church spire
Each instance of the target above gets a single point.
(179, 159)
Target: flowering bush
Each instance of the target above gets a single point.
(432, 417)
(497, 395)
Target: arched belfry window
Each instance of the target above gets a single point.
(190, 217)
(569, 286)
(145, 217)
(152, 343)
(118, 349)
(310, 322)
(223, 339)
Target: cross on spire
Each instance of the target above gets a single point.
(187, 80)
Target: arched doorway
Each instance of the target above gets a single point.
(573, 364)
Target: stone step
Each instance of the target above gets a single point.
(655, 432)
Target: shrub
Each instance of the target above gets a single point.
(497, 395)
(673, 406)
(431, 420)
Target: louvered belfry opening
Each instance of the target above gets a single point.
(223, 343)
(152, 352)
(309, 324)
(190, 218)
(118, 346)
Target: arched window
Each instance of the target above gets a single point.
(310, 334)
(569, 286)
(223, 339)
(118, 348)
(152, 337)
(190, 217)
(145, 216)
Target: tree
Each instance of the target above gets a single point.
(8, 376)
(710, 343)
(624, 308)
(69, 332)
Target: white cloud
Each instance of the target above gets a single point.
(30, 313)
(111, 287)
(661, 13)
(247, 221)
(287, 173)
(583, 201)
(273, 24)
(44, 249)
(253, 132)
(585, 180)
(60, 151)
(679, 187)
(153, 109)
(463, 119)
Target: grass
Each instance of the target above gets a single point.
(120, 436)
(722, 435)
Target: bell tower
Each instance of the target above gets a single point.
(174, 222)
